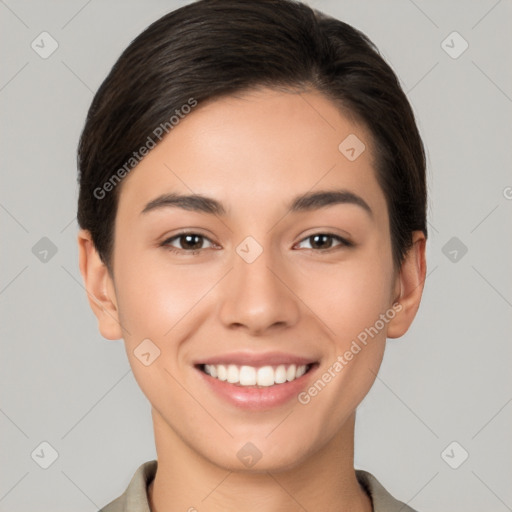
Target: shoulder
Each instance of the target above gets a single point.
(135, 498)
(382, 500)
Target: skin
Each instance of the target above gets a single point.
(254, 153)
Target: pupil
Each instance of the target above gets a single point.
(316, 237)
(188, 242)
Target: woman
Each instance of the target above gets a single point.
(253, 223)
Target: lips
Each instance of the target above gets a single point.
(256, 381)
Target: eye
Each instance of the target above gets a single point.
(189, 242)
(324, 241)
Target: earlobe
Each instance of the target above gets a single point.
(99, 287)
(410, 282)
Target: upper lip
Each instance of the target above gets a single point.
(257, 359)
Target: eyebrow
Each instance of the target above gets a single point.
(306, 202)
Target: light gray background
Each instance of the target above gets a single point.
(448, 379)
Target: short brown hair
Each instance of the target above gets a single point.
(214, 48)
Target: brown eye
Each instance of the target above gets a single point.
(324, 241)
(186, 242)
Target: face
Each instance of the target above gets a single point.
(285, 268)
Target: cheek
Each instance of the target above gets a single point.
(350, 297)
(154, 294)
(351, 302)
(157, 303)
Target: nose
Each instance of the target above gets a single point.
(257, 296)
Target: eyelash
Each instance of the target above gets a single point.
(343, 242)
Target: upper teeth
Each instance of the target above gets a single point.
(251, 376)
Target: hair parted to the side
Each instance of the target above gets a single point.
(213, 48)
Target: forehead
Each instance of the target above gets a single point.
(255, 148)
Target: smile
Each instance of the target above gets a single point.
(256, 381)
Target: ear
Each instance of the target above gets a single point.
(409, 286)
(99, 286)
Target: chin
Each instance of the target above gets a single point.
(259, 457)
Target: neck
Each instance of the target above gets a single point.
(324, 481)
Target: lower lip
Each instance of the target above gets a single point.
(257, 399)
